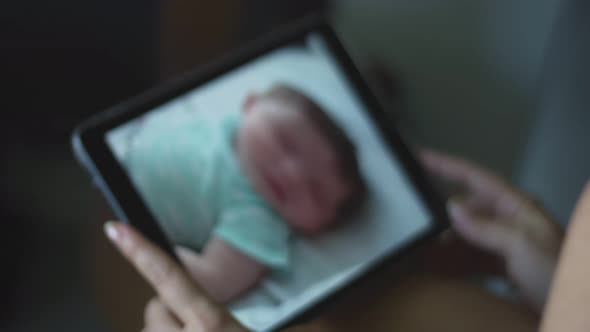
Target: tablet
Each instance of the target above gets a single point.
(277, 166)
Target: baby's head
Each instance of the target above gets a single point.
(299, 159)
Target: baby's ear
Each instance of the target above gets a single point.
(249, 102)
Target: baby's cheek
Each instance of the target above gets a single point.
(321, 217)
(256, 147)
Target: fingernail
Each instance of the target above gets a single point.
(111, 231)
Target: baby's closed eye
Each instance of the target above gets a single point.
(287, 143)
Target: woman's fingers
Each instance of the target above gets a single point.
(488, 234)
(486, 188)
(176, 290)
(460, 171)
(187, 256)
(158, 317)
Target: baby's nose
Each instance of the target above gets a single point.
(289, 165)
(290, 168)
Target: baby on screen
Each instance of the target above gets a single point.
(235, 186)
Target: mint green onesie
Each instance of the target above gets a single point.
(188, 175)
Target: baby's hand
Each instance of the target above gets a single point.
(494, 216)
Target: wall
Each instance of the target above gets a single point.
(468, 68)
(556, 162)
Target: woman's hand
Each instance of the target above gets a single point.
(181, 304)
(494, 216)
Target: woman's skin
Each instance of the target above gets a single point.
(490, 214)
(498, 218)
(569, 302)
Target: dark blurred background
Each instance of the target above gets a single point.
(501, 82)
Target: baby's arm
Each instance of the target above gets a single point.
(224, 272)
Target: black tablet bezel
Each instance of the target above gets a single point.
(91, 138)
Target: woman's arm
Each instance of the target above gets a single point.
(568, 308)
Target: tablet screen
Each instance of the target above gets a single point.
(274, 181)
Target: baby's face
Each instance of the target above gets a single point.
(292, 164)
